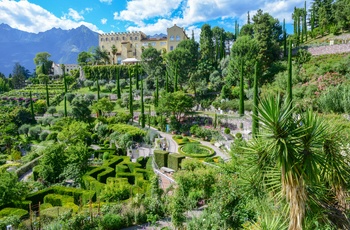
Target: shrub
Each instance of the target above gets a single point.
(34, 132)
(115, 191)
(58, 200)
(13, 212)
(227, 131)
(196, 150)
(112, 221)
(161, 158)
(52, 136)
(43, 135)
(238, 135)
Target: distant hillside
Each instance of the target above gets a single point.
(63, 45)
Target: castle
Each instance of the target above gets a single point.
(128, 46)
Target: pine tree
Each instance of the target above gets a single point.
(131, 98)
(255, 125)
(65, 90)
(118, 82)
(284, 39)
(98, 89)
(166, 81)
(289, 80)
(305, 23)
(156, 98)
(142, 107)
(31, 105)
(241, 92)
(47, 93)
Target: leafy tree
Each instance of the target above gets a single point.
(151, 60)
(104, 105)
(88, 83)
(52, 110)
(4, 86)
(24, 129)
(74, 132)
(11, 190)
(176, 104)
(84, 58)
(20, 116)
(100, 55)
(42, 62)
(34, 132)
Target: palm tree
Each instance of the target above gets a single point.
(114, 52)
(296, 152)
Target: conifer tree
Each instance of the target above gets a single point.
(131, 98)
(65, 89)
(31, 105)
(255, 123)
(241, 92)
(166, 81)
(156, 98)
(304, 22)
(142, 107)
(289, 80)
(118, 82)
(284, 39)
(47, 93)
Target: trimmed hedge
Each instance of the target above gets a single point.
(122, 168)
(13, 212)
(211, 152)
(90, 183)
(161, 158)
(129, 176)
(58, 200)
(78, 194)
(174, 161)
(102, 177)
(36, 171)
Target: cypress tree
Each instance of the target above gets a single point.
(289, 80)
(156, 99)
(131, 97)
(65, 90)
(241, 92)
(65, 105)
(142, 107)
(47, 93)
(175, 88)
(98, 89)
(284, 39)
(215, 120)
(304, 25)
(149, 116)
(118, 82)
(166, 81)
(255, 125)
(137, 76)
(31, 105)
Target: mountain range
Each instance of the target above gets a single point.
(63, 45)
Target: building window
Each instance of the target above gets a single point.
(136, 45)
(177, 38)
(106, 39)
(130, 38)
(171, 47)
(135, 38)
(145, 44)
(172, 38)
(153, 44)
(117, 38)
(123, 38)
(103, 47)
(101, 39)
(162, 43)
(112, 38)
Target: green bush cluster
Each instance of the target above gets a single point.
(13, 212)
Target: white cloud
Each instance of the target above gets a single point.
(30, 17)
(138, 10)
(75, 15)
(107, 1)
(154, 17)
(104, 21)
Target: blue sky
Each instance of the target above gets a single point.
(149, 16)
